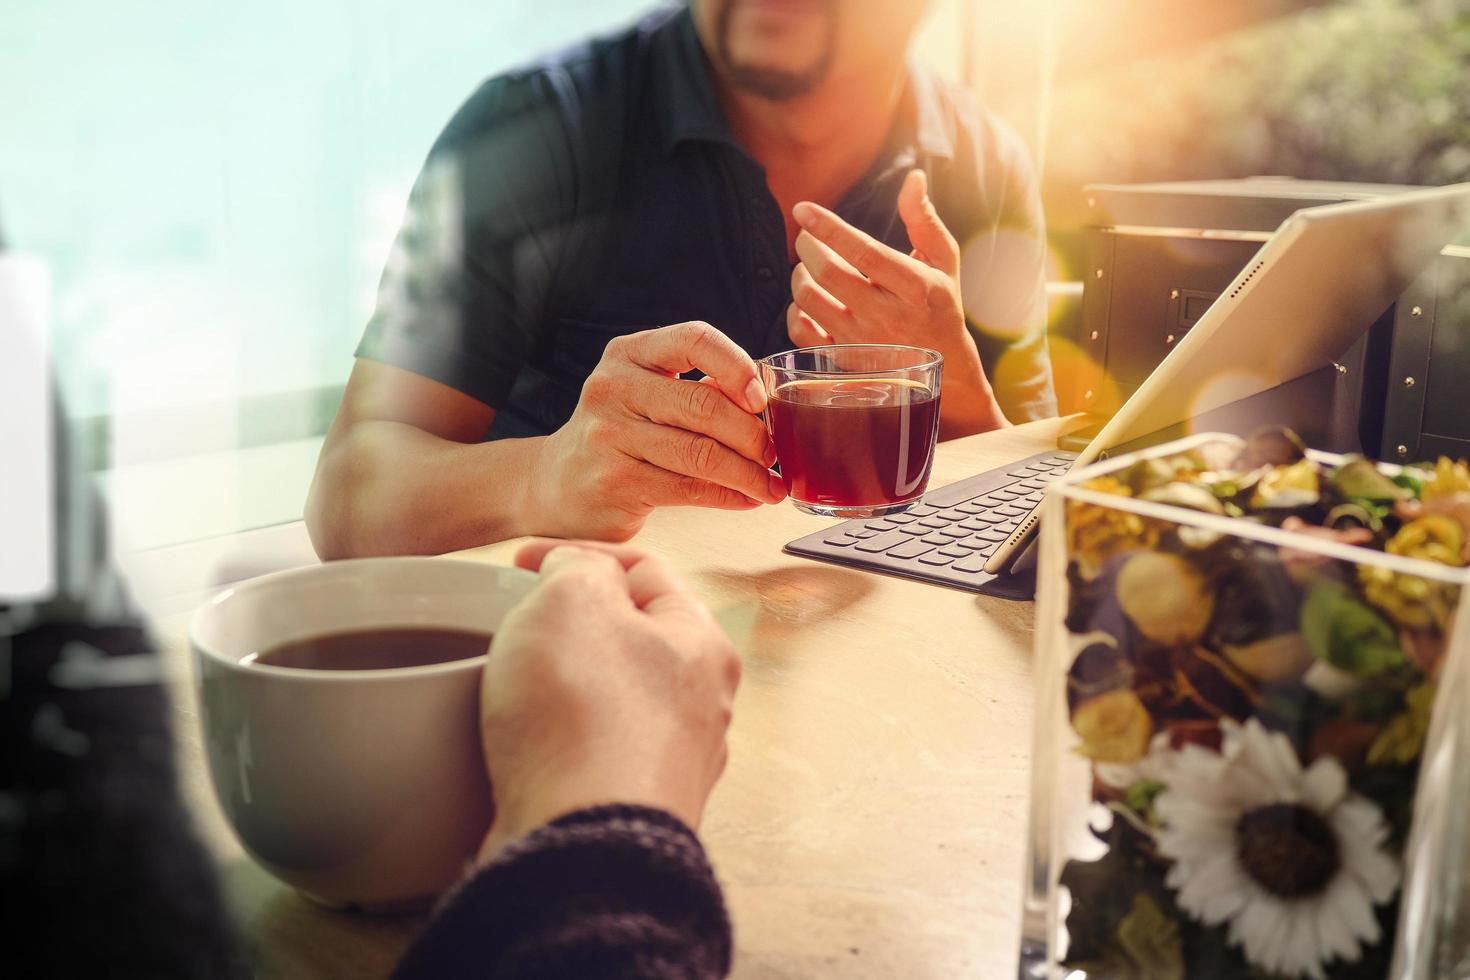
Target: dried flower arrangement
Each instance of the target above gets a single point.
(1253, 713)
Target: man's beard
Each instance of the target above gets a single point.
(776, 84)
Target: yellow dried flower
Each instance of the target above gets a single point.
(1115, 727)
(1454, 504)
(1432, 537)
(1410, 601)
(1402, 739)
(1108, 484)
(1449, 477)
(1096, 533)
(1414, 602)
(1288, 486)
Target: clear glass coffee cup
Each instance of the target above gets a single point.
(854, 425)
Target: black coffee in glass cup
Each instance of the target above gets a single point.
(854, 425)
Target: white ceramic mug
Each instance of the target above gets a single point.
(358, 787)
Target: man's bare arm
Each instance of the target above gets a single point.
(403, 470)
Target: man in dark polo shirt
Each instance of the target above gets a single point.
(727, 179)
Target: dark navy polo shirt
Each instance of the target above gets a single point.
(601, 193)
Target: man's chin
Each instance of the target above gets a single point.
(775, 84)
(777, 50)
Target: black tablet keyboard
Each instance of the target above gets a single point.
(950, 534)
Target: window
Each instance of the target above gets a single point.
(212, 189)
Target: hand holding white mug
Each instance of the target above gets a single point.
(641, 437)
(610, 683)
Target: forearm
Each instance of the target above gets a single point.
(385, 488)
(618, 892)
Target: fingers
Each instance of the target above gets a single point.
(702, 409)
(698, 346)
(656, 589)
(651, 580)
(832, 272)
(582, 573)
(803, 330)
(930, 238)
(885, 266)
(704, 458)
(662, 488)
(818, 304)
(533, 553)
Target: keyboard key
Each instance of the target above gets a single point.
(921, 510)
(953, 514)
(914, 529)
(954, 551)
(1035, 484)
(911, 549)
(974, 563)
(935, 522)
(840, 540)
(956, 531)
(1006, 526)
(991, 500)
(879, 526)
(1012, 510)
(987, 535)
(980, 523)
(1006, 494)
(979, 544)
(936, 558)
(863, 533)
(883, 542)
(899, 518)
(939, 537)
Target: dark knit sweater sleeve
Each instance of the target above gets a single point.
(607, 892)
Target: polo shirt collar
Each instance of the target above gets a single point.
(688, 107)
(689, 110)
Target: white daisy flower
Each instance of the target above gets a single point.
(1291, 858)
